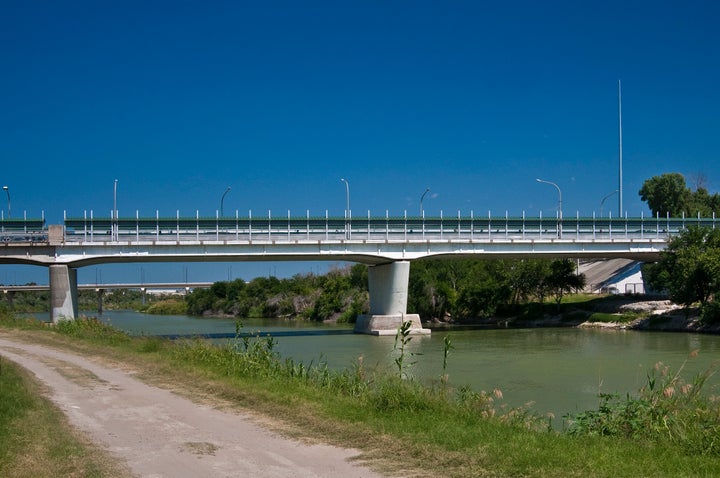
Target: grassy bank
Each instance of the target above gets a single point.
(405, 428)
(35, 438)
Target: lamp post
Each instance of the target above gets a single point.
(7, 191)
(422, 211)
(559, 195)
(222, 199)
(603, 201)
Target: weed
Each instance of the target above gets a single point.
(403, 338)
(667, 408)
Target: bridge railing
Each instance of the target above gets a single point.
(289, 228)
(23, 230)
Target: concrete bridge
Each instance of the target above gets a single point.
(386, 244)
(10, 290)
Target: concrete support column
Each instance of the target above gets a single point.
(10, 294)
(63, 293)
(388, 286)
(100, 294)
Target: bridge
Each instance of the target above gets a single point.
(386, 244)
(10, 290)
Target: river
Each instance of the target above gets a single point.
(558, 370)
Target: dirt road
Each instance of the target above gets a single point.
(158, 433)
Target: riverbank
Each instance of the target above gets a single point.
(400, 427)
(622, 313)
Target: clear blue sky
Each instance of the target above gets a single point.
(280, 99)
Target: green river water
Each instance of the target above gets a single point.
(558, 370)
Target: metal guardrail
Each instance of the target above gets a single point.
(296, 229)
(23, 231)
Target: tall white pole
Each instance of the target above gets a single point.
(620, 161)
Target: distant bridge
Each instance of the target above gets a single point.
(10, 290)
(386, 243)
(128, 285)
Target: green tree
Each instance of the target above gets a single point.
(666, 193)
(689, 267)
(563, 279)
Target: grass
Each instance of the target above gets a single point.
(400, 426)
(35, 438)
(612, 318)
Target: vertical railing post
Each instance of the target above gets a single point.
(577, 225)
(441, 224)
(197, 224)
(489, 224)
(157, 225)
(368, 225)
(507, 225)
(217, 225)
(459, 226)
(387, 225)
(137, 225)
(540, 224)
(288, 226)
(92, 227)
(642, 224)
(472, 225)
(269, 225)
(626, 225)
(249, 225)
(405, 224)
(177, 224)
(594, 227)
(307, 224)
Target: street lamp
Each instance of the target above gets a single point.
(603, 201)
(347, 197)
(559, 195)
(7, 191)
(222, 199)
(427, 190)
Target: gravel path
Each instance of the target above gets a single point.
(158, 433)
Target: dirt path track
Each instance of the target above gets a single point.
(159, 434)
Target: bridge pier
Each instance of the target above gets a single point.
(63, 293)
(10, 294)
(100, 294)
(388, 285)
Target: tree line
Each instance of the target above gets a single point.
(439, 289)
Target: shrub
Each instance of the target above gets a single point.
(710, 313)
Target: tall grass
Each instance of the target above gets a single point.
(668, 429)
(667, 408)
(35, 438)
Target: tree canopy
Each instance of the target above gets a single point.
(669, 194)
(689, 268)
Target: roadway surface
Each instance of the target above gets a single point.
(160, 434)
